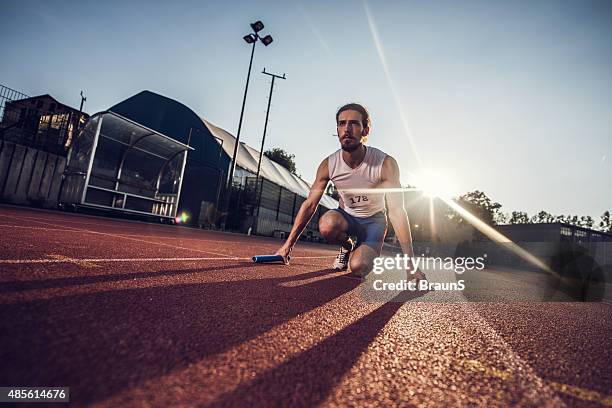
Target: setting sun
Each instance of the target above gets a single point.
(435, 183)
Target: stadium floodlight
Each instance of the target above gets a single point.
(257, 26)
(250, 39)
(267, 40)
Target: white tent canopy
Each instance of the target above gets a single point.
(247, 158)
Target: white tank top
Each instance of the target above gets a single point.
(366, 175)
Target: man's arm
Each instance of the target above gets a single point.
(307, 209)
(395, 201)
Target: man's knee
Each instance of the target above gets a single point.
(332, 226)
(360, 266)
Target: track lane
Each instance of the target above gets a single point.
(159, 331)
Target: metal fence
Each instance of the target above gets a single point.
(8, 94)
(40, 122)
(268, 210)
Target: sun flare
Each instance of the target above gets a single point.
(435, 183)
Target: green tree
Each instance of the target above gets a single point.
(477, 203)
(573, 219)
(586, 221)
(501, 218)
(283, 158)
(567, 219)
(543, 217)
(519, 217)
(606, 222)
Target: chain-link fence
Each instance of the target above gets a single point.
(267, 209)
(38, 122)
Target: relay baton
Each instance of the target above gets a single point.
(269, 258)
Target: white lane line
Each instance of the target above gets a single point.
(128, 237)
(82, 221)
(93, 260)
(262, 244)
(69, 260)
(35, 228)
(118, 236)
(72, 229)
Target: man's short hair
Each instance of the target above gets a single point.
(365, 115)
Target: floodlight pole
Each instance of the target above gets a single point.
(246, 89)
(251, 39)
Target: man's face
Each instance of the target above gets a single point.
(350, 130)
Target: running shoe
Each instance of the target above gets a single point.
(342, 259)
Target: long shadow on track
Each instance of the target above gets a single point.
(105, 342)
(64, 282)
(307, 379)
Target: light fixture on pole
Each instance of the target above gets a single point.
(250, 39)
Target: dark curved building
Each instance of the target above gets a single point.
(279, 193)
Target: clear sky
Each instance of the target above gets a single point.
(511, 98)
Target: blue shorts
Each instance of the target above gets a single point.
(369, 231)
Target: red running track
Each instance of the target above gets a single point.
(134, 314)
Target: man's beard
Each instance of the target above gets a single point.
(350, 148)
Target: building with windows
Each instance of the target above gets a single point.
(553, 232)
(36, 134)
(570, 250)
(40, 122)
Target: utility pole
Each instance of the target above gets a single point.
(263, 140)
(83, 99)
(78, 121)
(70, 142)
